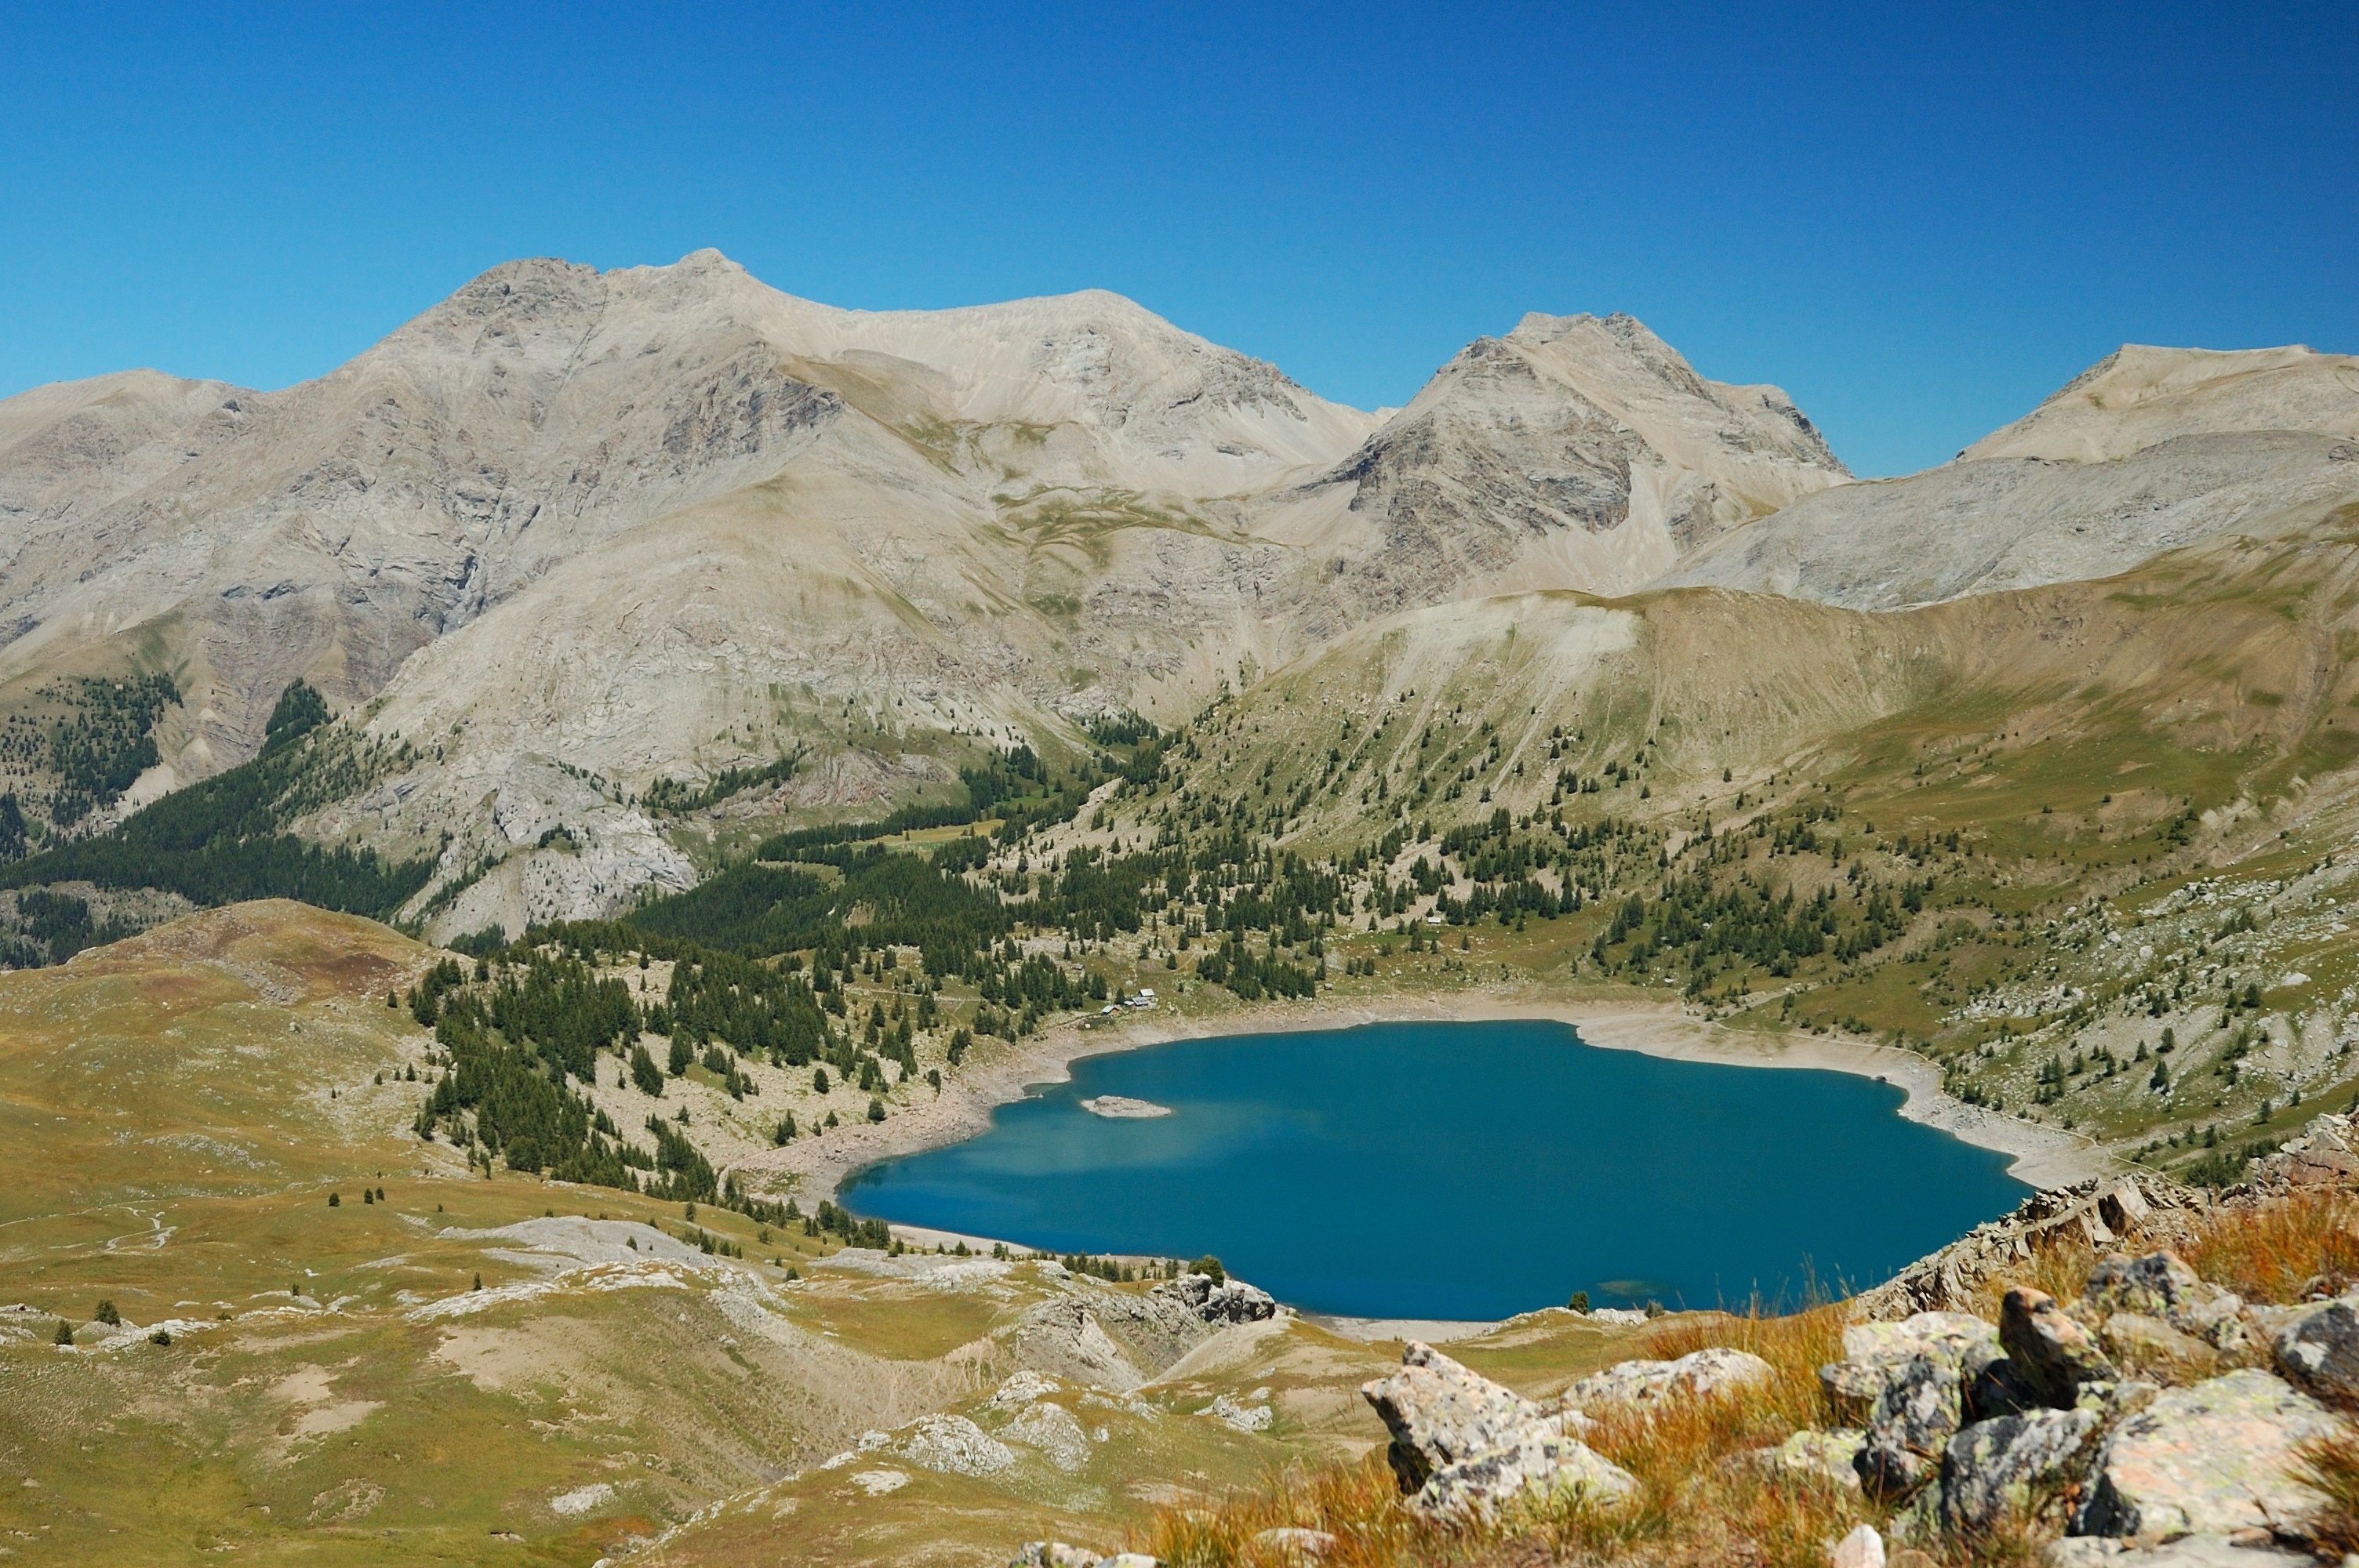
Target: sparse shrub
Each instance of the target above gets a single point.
(107, 1315)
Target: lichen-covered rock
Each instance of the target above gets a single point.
(1708, 1371)
(2134, 1340)
(2215, 1458)
(1547, 1466)
(1828, 1455)
(2161, 1285)
(1440, 1414)
(1875, 1352)
(1990, 1469)
(2320, 1350)
(2051, 1352)
(1914, 1419)
(1942, 1334)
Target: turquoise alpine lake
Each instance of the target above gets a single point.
(1462, 1171)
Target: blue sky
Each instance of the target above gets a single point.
(1917, 219)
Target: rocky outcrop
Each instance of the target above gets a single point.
(1463, 1444)
(1440, 1414)
(2216, 1458)
(1970, 1426)
(1230, 1301)
(1875, 1354)
(1118, 1340)
(2159, 1286)
(2105, 1213)
(2326, 1154)
(1713, 1370)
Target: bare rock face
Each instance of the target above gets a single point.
(1462, 1445)
(2215, 1458)
(2053, 1355)
(1574, 452)
(2326, 1154)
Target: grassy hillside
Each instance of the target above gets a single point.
(492, 1367)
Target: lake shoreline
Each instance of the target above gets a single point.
(1004, 1072)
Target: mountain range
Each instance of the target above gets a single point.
(586, 543)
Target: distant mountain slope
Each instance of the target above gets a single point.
(331, 529)
(2151, 450)
(2138, 396)
(571, 540)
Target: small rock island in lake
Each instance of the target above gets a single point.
(1122, 1108)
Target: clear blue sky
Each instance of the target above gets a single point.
(1920, 219)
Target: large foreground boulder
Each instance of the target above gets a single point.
(1463, 1444)
(2215, 1459)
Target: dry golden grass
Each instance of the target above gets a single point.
(2331, 1465)
(2282, 1250)
(1700, 1502)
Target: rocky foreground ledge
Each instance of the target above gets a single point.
(2163, 1421)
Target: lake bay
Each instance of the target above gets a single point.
(1464, 1171)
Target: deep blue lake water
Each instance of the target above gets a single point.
(1462, 1171)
